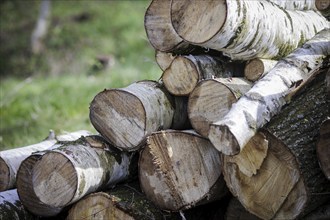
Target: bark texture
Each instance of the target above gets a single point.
(244, 30)
(289, 183)
(212, 99)
(181, 77)
(256, 68)
(126, 116)
(323, 148)
(64, 175)
(267, 96)
(11, 207)
(179, 170)
(10, 160)
(296, 4)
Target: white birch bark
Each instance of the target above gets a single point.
(301, 5)
(245, 30)
(267, 96)
(10, 160)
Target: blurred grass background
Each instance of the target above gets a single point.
(52, 90)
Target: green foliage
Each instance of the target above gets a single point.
(53, 90)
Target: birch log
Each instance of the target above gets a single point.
(11, 207)
(211, 100)
(323, 148)
(161, 35)
(122, 202)
(179, 170)
(244, 30)
(181, 77)
(126, 116)
(296, 4)
(256, 68)
(163, 59)
(10, 160)
(49, 181)
(289, 182)
(267, 96)
(324, 7)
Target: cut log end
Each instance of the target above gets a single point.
(208, 102)
(4, 175)
(118, 107)
(164, 59)
(254, 69)
(223, 139)
(191, 21)
(181, 77)
(323, 148)
(322, 5)
(55, 173)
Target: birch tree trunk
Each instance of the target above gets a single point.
(10, 160)
(266, 98)
(256, 68)
(296, 4)
(181, 77)
(122, 202)
(11, 207)
(244, 30)
(212, 99)
(179, 170)
(323, 148)
(126, 116)
(65, 174)
(289, 183)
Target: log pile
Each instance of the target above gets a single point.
(237, 127)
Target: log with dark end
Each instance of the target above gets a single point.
(212, 99)
(179, 170)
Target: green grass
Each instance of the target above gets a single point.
(53, 90)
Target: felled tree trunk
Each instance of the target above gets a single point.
(126, 116)
(256, 68)
(181, 77)
(267, 96)
(179, 170)
(241, 29)
(11, 207)
(323, 148)
(296, 4)
(163, 59)
(212, 99)
(289, 182)
(122, 202)
(10, 160)
(49, 181)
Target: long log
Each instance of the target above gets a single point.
(289, 183)
(179, 170)
(266, 98)
(323, 148)
(10, 160)
(181, 77)
(296, 4)
(49, 181)
(241, 29)
(126, 116)
(212, 99)
(11, 207)
(256, 68)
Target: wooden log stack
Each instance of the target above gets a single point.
(237, 126)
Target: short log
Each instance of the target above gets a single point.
(256, 68)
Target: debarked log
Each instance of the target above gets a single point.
(51, 180)
(179, 170)
(11, 207)
(181, 77)
(268, 95)
(10, 160)
(212, 99)
(244, 30)
(289, 183)
(126, 116)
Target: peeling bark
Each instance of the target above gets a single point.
(244, 30)
(268, 95)
(10, 160)
(64, 175)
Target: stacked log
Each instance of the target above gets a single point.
(202, 128)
